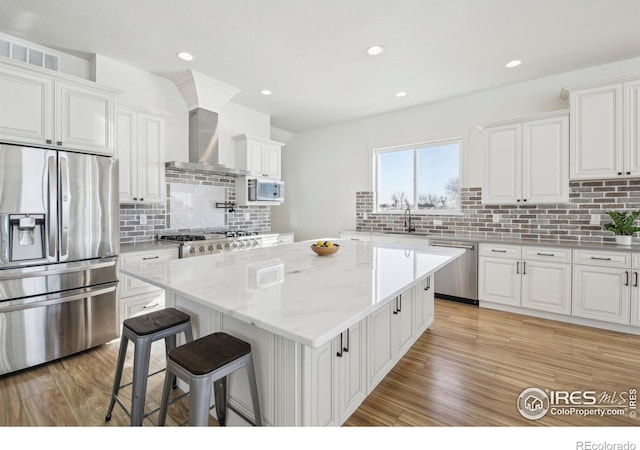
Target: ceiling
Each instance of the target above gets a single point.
(312, 53)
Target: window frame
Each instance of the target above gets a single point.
(415, 147)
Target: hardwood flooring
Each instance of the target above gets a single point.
(467, 370)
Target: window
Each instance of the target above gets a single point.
(424, 177)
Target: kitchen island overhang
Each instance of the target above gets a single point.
(325, 329)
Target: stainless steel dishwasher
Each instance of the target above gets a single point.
(458, 280)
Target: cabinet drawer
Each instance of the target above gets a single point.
(142, 304)
(602, 258)
(128, 259)
(366, 237)
(552, 254)
(635, 260)
(500, 250)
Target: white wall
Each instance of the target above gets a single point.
(325, 167)
(233, 120)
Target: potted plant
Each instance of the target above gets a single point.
(622, 225)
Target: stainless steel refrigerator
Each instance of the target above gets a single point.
(59, 245)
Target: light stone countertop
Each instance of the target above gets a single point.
(292, 292)
(498, 240)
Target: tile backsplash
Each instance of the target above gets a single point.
(562, 221)
(191, 207)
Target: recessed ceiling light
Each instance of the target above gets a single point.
(401, 94)
(512, 64)
(265, 92)
(374, 50)
(185, 56)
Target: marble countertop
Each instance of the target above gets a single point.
(506, 240)
(292, 292)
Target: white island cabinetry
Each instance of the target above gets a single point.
(313, 330)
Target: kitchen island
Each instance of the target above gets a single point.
(324, 330)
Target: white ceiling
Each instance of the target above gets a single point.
(311, 53)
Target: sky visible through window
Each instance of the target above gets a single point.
(438, 174)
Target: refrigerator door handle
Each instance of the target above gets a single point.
(53, 207)
(54, 299)
(65, 205)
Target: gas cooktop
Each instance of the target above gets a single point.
(208, 243)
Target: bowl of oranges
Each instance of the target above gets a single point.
(323, 248)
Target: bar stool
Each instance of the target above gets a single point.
(143, 330)
(205, 361)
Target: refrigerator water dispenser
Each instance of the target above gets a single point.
(26, 236)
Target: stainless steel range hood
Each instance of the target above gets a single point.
(204, 96)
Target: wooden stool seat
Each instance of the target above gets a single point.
(209, 353)
(156, 321)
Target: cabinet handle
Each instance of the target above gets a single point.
(626, 278)
(150, 257)
(545, 254)
(395, 311)
(498, 251)
(155, 305)
(49, 141)
(346, 349)
(59, 143)
(619, 173)
(141, 199)
(339, 353)
(635, 283)
(628, 173)
(400, 303)
(524, 199)
(427, 284)
(135, 198)
(518, 267)
(518, 200)
(601, 259)
(524, 267)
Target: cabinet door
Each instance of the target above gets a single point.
(596, 132)
(354, 370)
(324, 385)
(151, 159)
(423, 299)
(601, 293)
(546, 286)
(84, 118)
(271, 160)
(26, 113)
(635, 301)
(379, 344)
(545, 153)
(404, 323)
(502, 158)
(632, 127)
(126, 153)
(499, 280)
(254, 158)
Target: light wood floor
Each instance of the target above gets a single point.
(467, 370)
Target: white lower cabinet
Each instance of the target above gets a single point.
(531, 277)
(136, 296)
(338, 377)
(604, 284)
(423, 297)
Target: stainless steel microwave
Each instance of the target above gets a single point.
(265, 190)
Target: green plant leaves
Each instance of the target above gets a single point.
(622, 222)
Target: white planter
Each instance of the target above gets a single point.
(623, 240)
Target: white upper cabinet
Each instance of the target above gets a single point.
(604, 129)
(261, 157)
(526, 160)
(26, 113)
(139, 146)
(57, 110)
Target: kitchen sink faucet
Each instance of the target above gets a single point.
(407, 220)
